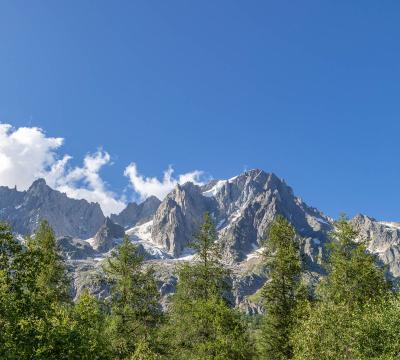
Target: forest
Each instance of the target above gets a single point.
(352, 312)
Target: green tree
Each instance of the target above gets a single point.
(86, 330)
(10, 250)
(354, 282)
(10, 290)
(337, 331)
(201, 323)
(45, 269)
(283, 291)
(353, 276)
(37, 318)
(45, 285)
(326, 334)
(135, 310)
(208, 277)
(377, 329)
(33, 290)
(144, 351)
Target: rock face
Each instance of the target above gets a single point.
(383, 239)
(178, 217)
(247, 205)
(108, 235)
(24, 210)
(135, 214)
(243, 209)
(75, 249)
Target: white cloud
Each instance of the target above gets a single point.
(85, 182)
(147, 186)
(27, 154)
(24, 154)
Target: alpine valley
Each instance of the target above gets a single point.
(242, 208)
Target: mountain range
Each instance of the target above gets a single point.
(242, 207)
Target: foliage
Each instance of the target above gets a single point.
(377, 328)
(201, 324)
(207, 277)
(339, 325)
(354, 316)
(45, 271)
(282, 293)
(208, 329)
(135, 310)
(351, 270)
(10, 253)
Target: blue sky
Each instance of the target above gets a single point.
(309, 90)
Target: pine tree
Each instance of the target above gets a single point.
(10, 249)
(201, 323)
(37, 318)
(47, 271)
(354, 283)
(208, 276)
(86, 331)
(135, 311)
(144, 351)
(281, 292)
(45, 281)
(10, 290)
(353, 276)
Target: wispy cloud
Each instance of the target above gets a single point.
(147, 186)
(27, 153)
(85, 182)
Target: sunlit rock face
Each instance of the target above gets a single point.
(243, 208)
(137, 214)
(383, 239)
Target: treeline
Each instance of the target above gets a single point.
(352, 313)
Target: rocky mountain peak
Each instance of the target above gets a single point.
(383, 239)
(178, 217)
(359, 218)
(152, 200)
(242, 207)
(24, 210)
(107, 236)
(38, 183)
(39, 188)
(135, 214)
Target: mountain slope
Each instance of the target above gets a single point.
(137, 214)
(24, 210)
(383, 239)
(243, 209)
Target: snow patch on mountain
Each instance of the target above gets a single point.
(186, 255)
(393, 225)
(141, 234)
(255, 254)
(90, 241)
(322, 221)
(215, 189)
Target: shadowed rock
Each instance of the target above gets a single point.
(108, 235)
(135, 214)
(24, 210)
